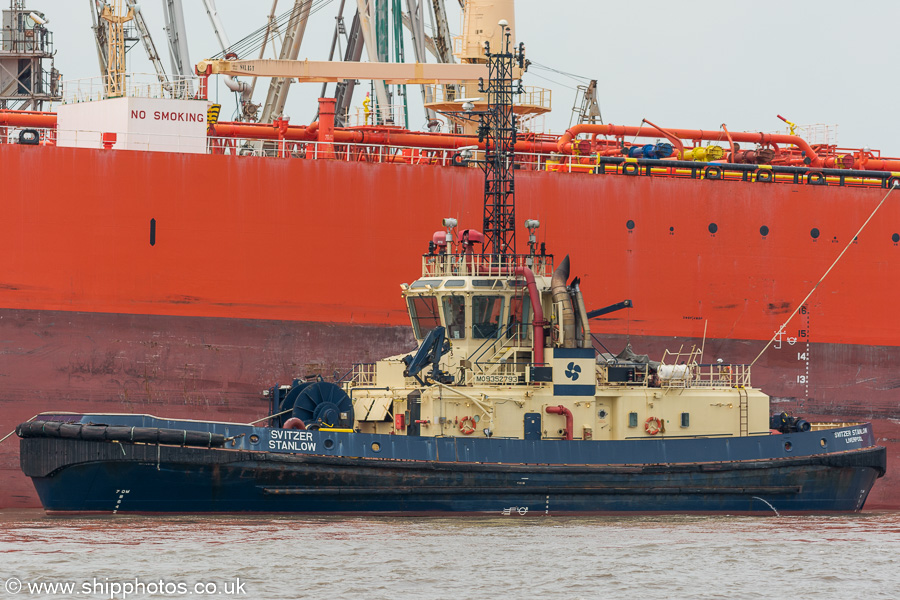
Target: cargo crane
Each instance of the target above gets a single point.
(101, 28)
(273, 107)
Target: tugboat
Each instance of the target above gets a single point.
(506, 407)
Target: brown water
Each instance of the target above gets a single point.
(854, 556)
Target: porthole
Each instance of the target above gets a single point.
(823, 442)
(254, 439)
(376, 447)
(764, 231)
(895, 238)
(814, 233)
(629, 224)
(788, 446)
(713, 228)
(329, 444)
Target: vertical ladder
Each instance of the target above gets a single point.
(744, 409)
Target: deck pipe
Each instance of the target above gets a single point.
(562, 410)
(582, 315)
(561, 298)
(564, 144)
(537, 321)
(679, 146)
(402, 137)
(27, 118)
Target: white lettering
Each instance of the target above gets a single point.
(496, 378)
(292, 446)
(291, 434)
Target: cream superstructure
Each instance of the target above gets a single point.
(504, 373)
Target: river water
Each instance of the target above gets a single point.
(849, 556)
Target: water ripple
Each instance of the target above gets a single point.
(505, 557)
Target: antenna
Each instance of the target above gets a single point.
(498, 131)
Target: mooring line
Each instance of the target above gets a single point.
(815, 287)
(777, 514)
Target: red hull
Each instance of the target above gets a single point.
(258, 265)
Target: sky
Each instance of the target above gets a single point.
(681, 64)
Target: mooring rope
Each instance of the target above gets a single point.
(815, 287)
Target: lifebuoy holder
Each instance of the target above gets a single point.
(653, 425)
(467, 425)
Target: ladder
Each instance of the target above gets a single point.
(744, 410)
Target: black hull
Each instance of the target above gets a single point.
(84, 476)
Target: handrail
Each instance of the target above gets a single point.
(493, 341)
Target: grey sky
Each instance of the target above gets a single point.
(679, 64)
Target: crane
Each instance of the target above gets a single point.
(290, 49)
(318, 71)
(177, 35)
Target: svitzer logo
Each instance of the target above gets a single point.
(572, 371)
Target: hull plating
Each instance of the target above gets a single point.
(109, 477)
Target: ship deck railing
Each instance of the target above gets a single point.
(36, 41)
(362, 374)
(475, 265)
(137, 85)
(720, 375)
(450, 157)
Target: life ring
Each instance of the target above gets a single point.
(656, 428)
(467, 425)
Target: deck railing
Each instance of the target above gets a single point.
(475, 265)
(449, 157)
(137, 85)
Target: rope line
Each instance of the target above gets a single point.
(815, 287)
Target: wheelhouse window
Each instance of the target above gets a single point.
(455, 316)
(423, 311)
(486, 314)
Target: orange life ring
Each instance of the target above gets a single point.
(467, 425)
(656, 428)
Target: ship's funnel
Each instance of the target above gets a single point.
(565, 311)
(481, 23)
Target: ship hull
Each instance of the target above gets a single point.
(73, 475)
(164, 281)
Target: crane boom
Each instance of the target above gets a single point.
(149, 46)
(290, 49)
(177, 35)
(308, 70)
